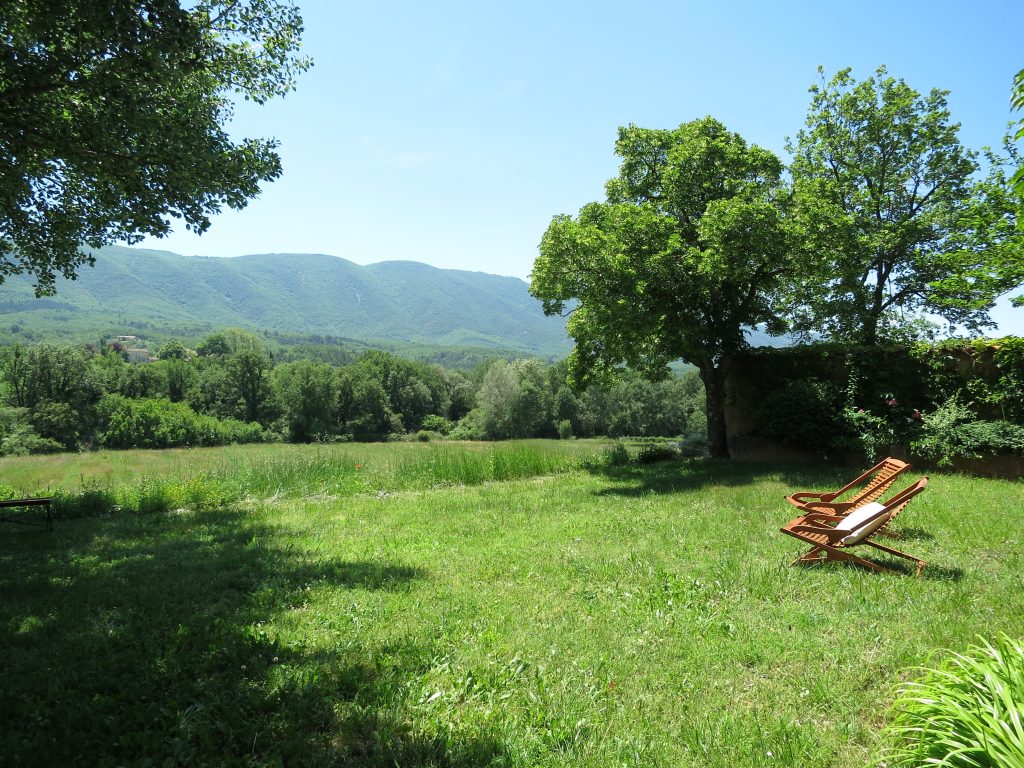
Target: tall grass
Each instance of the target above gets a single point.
(328, 471)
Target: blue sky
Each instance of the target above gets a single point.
(451, 133)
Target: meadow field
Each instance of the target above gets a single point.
(519, 604)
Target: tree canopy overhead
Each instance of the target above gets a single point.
(689, 248)
(113, 115)
(891, 204)
(1017, 103)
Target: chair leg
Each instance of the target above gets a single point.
(864, 563)
(920, 564)
(823, 552)
(813, 555)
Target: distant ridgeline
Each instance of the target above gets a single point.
(296, 298)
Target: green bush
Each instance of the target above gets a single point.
(966, 712)
(863, 432)
(652, 454)
(469, 427)
(693, 445)
(864, 399)
(22, 440)
(950, 431)
(991, 437)
(435, 423)
(616, 456)
(9, 492)
(803, 413)
(159, 423)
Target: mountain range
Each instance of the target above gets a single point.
(305, 295)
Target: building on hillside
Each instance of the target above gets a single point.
(137, 355)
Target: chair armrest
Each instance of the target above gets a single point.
(801, 497)
(840, 508)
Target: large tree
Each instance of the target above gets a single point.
(113, 115)
(689, 249)
(1017, 103)
(893, 208)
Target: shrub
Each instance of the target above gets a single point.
(439, 424)
(981, 437)
(92, 501)
(865, 433)
(950, 431)
(693, 445)
(652, 454)
(966, 712)
(565, 429)
(22, 440)
(470, 427)
(159, 423)
(616, 456)
(804, 414)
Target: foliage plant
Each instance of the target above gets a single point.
(952, 431)
(113, 120)
(157, 423)
(967, 712)
(803, 414)
(690, 247)
(940, 401)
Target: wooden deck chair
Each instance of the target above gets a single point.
(831, 536)
(878, 478)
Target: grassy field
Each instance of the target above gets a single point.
(440, 606)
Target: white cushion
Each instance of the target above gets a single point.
(856, 523)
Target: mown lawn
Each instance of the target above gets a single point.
(597, 616)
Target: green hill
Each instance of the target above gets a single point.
(162, 294)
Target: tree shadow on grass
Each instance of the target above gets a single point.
(931, 571)
(692, 474)
(149, 640)
(908, 534)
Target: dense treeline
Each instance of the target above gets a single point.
(231, 390)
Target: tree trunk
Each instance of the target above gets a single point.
(714, 390)
(869, 332)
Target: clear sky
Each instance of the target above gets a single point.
(450, 133)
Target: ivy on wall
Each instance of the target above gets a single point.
(954, 398)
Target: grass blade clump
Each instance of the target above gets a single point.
(968, 712)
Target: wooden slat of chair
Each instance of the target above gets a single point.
(818, 529)
(882, 475)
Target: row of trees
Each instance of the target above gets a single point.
(230, 390)
(883, 220)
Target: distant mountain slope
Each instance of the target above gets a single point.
(291, 293)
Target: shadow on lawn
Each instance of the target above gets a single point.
(931, 571)
(144, 640)
(910, 534)
(692, 474)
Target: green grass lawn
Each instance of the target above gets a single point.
(586, 616)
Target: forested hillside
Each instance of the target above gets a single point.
(131, 290)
